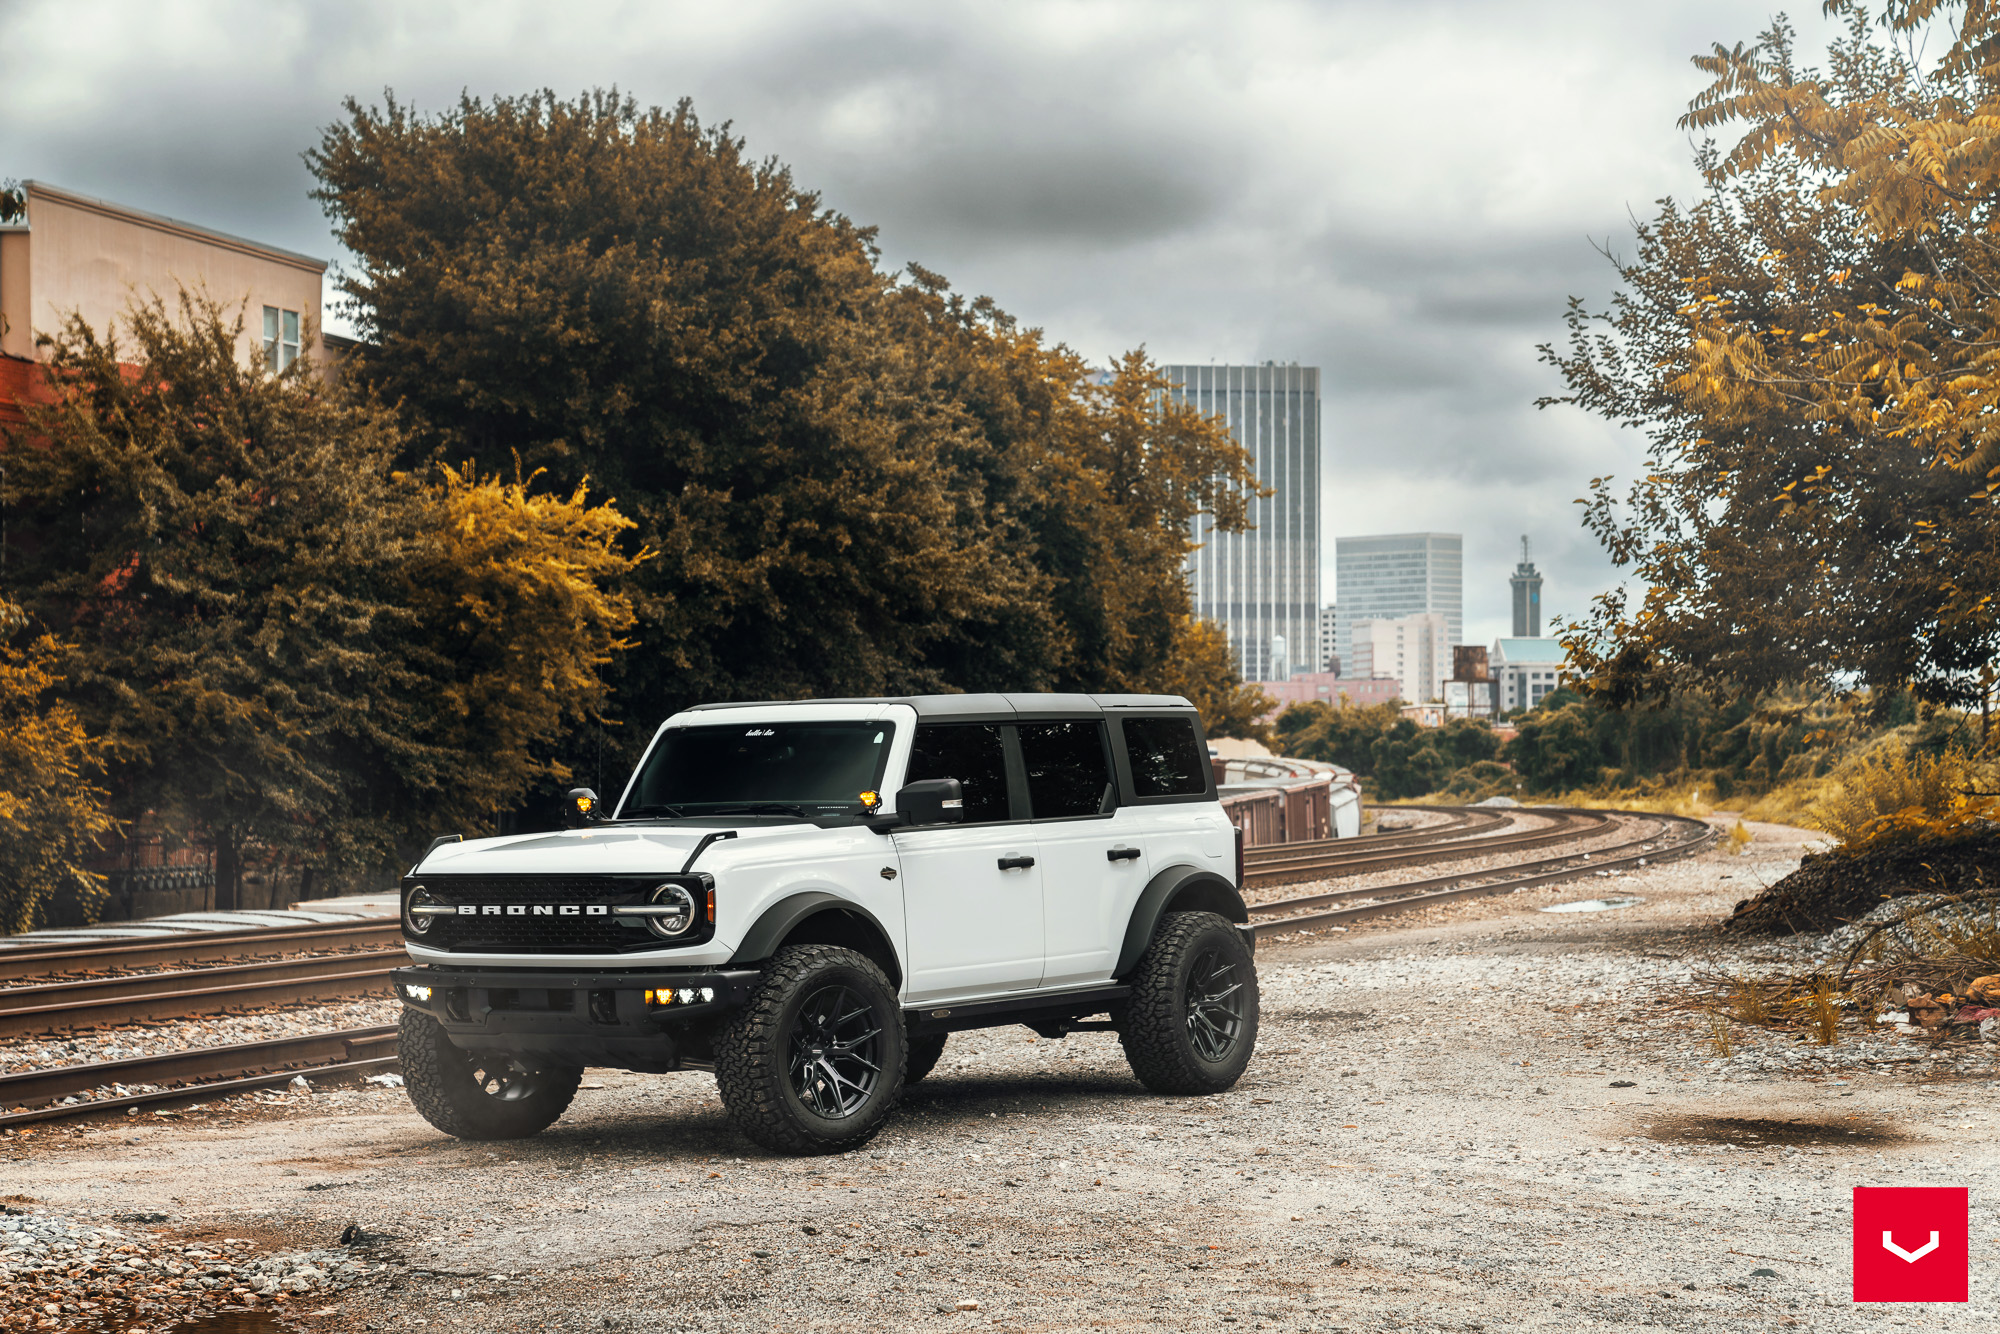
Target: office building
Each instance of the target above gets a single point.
(1414, 651)
(1329, 653)
(1527, 667)
(1263, 586)
(1527, 586)
(1388, 577)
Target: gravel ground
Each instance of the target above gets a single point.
(1483, 1118)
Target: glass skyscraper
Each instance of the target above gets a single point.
(1402, 574)
(1263, 585)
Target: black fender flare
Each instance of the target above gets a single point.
(1177, 887)
(779, 920)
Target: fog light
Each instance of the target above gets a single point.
(417, 993)
(687, 995)
(708, 993)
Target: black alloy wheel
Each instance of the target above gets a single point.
(814, 1061)
(1214, 1006)
(836, 1056)
(480, 1095)
(505, 1079)
(1190, 1026)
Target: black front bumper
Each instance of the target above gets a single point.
(585, 1018)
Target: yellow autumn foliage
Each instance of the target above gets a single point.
(1911, 146)
(1893, 797)
(51, 810)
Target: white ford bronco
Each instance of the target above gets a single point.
(808, 898)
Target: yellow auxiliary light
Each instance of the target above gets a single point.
(684, 996)
(585, 805)
(870, 800)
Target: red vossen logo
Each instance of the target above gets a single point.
(1912, 1243)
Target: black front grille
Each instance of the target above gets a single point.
(551, 934)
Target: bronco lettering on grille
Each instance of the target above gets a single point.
(534, 909)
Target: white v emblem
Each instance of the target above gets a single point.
(1889, 1244)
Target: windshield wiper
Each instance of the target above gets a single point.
(763, 808)
(643, 811)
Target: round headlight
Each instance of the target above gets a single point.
(414, 922)
(677, 898)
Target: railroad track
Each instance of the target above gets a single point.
(101, 1002)
(213, 1072)
(1677, 837)
(201, 1073)
(199, 947)
(1290, 863)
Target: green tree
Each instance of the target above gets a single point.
(1557, 750)
(853, 483)
(1407, 761)
(52, 812)
(1333, 734)
(290, 651)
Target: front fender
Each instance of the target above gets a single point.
(788, 914)
(1176, 889)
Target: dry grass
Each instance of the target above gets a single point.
(1888, 798)
(1937, 946)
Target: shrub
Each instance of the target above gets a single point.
(1899, 796)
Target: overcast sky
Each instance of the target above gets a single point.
(1402, 194)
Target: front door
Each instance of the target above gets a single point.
(972, 892)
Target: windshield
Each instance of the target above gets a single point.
(807, 770)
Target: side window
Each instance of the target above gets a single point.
(1067, 774)
(971, 753)
(1166, 759)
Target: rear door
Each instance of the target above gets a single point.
(972, 892)
(1093, 854)
(1166, 773)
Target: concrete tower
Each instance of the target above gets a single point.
(1527, 596)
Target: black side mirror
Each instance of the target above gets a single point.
(931, 801)
(580, 809)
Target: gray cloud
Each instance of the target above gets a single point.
(1400, 193)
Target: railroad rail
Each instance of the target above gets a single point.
(353, 1053)
(198, 947)
(99, 1002)
(212, 1072)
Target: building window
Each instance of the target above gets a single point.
(281, 337)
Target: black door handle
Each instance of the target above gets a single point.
(1122, 855)
(1016, 863)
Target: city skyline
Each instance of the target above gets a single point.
(1227, 209)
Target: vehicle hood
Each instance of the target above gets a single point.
(602, 851)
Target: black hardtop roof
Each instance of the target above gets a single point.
(986, 706)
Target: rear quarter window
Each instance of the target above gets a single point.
(1167, 760)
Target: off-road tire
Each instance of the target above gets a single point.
(754, 1054)
(450, 1087)
(924, 1054)
(1158, 1024)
